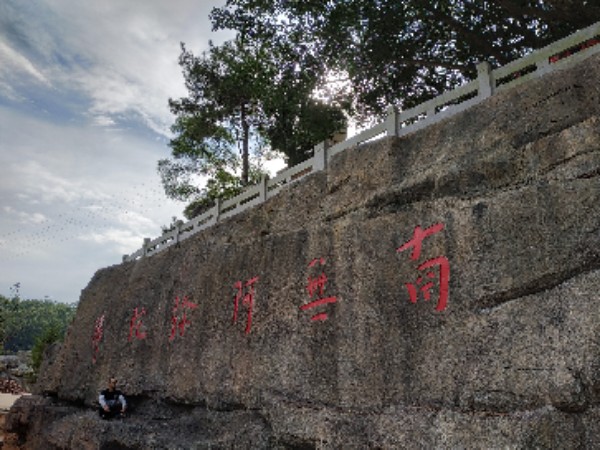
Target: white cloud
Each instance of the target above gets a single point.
(124, 241)
(129, 53)
(103, 121)
(7, 91)
(81, 85)
(136, 221)
(83, 180)
(25, 217)
(42, 184)
(121, 55)
(16, 65)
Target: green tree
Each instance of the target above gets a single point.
(298, 121)
(239, 95)
(4, 305)
(403, 52)
(51, 334)
(218, 114)
(25, 320)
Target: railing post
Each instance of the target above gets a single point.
(391, 121)
(485, 78)
(263, 189)
(178, 226)
(430, 112)
(145, 246)
(320, 157)
(217, 211)
(543, 66)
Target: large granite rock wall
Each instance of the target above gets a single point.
(459, 273)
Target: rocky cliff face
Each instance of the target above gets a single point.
(440, 290)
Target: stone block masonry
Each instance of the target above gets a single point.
(437, 290)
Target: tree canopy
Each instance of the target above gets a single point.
(22, 322)
(298, 68)
(217, 113)
(239, 96)
(403, 52)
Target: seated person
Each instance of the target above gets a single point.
(112, 401)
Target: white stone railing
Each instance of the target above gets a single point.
(558, 55)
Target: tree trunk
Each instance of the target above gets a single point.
(245, 142)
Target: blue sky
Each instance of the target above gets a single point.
(84, 87)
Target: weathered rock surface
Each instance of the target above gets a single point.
(512, 361)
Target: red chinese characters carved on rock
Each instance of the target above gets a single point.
(135, 324)
(247, 299)
(179, 318)
(566, 53)
(97, 337)
(425, 283)
(316, 287)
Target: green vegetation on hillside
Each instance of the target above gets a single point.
(25, 322)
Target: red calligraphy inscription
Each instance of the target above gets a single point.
(316, 287)
(424, 284)
(97, 337)
(247, 300)
(135, 324)
(566, 53)
(179, 318)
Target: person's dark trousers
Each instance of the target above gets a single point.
(114, 411)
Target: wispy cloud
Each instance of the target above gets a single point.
(125, 241)
(103, 121)
(40, 184)
(121, 56)
(16, 65)
(84, 89)
(25, 217)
